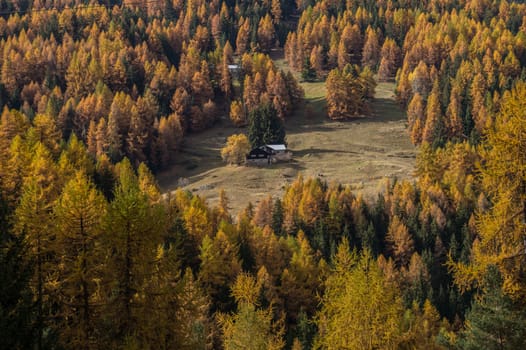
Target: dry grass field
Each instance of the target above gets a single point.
(359, 153)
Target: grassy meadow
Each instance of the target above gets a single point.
(360, 152)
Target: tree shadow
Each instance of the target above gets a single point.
(312, 151)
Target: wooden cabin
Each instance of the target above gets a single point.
(267, 154)
(258, 156)
(278, 152)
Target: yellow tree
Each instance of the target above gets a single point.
(399, 242)
(132, 233)
(266, 33)
(191, 317)
(33, 223)
(415, 118)
(301, 281)
(47, 132)
(338, 106)
(432, 128)
(251, 327)
(371, 49)
(237, 113)
(422, 325)
(12, 123)
(220, 265)
(291, 199)
(242, 36)
(226, 78)
(389, 56)
(502, 229)
(311, 204)
(14, 170)
(454, 119)
(198, 220)
(348, 92)
(148, 184)
(263, 213)
(360, 310)
(236, 149)
(316, 59)
(79, 212)
(220, 212)
(269, 252)
(276, 11)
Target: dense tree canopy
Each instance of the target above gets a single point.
(131, 80)
(93, 256)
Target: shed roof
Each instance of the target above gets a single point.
(280, 147)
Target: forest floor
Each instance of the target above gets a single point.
(360, 152)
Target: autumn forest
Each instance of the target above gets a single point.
(98, 97)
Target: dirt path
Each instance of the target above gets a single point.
(359, 153)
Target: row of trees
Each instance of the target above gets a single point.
(453, 83)
(264, 84)
(137, 77)
(452, 62)
(359, 35)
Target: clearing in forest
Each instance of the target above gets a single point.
(359, 152)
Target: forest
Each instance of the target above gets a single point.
(98, 96)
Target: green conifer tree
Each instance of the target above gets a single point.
(265, 127)
(494, 321)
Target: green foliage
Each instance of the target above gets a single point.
(277, 217)
(16, 312)
(193, 326)
(305, 330)
(132, 234)
(308, 73)
(494, 321)
(265, 127)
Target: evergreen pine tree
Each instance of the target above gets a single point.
(265, 127)
(494, 321)
(308, 73)
(15, 294)
(277, 217)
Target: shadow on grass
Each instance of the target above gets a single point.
(311, 151)
(312, 114)
(311, 111)
(385, 109)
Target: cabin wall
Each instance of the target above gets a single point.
(257, 162)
